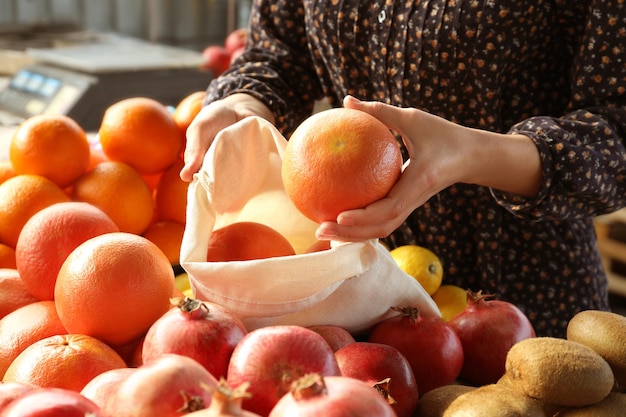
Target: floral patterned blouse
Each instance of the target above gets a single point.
(552, 70)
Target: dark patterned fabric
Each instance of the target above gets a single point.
(552, 70)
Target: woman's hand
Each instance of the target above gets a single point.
(441, 153)
(213, 118)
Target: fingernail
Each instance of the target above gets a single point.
(352, 99)
(323, 234)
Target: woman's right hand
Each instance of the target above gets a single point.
(213, 118)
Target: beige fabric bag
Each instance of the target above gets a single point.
(352, 285)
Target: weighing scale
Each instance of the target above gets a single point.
(81, 81)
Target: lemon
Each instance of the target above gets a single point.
(421, 263)
(451, 300)
(181, 281)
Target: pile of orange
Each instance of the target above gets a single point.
(130, 172)
(89, 233)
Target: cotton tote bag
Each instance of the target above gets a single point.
(352, 285)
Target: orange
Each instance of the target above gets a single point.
(24, 326)
(113, 287)
(117, 189)
(168, 236)
(7, 256)
(243, 241)
(171, 195)
(67, 361)
(96, 155)
(20, 198)
(142, 133)
(152, 180)
(14, 293)
(49, 236)
(339, 159)
(53, 146)
(187, 109)
(318, 246)
(6, 171)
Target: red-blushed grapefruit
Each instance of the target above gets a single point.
(337, 160)
(244, 241)
(50, 236)
(113, 287)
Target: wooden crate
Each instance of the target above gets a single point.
(612, 246)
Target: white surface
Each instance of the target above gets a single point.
(115, 53)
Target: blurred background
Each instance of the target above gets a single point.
(78, 56)
(187, 23)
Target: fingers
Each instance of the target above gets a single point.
(200, 134)
(195, 149)
(377, 220)
(394, 117)
(192, 165)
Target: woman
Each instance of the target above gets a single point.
(513, 116)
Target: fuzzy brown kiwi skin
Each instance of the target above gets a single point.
(494, 400)
(559, 372)
(435, 402)
(548, 409)
(614, 405)
(604, 332)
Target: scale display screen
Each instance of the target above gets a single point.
(35, 83)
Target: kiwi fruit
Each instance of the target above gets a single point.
(494, 400)
(614, 405)
(549, 409)
(435, 401)
(559, 371)
(604, 332)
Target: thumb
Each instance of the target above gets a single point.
(388, 114)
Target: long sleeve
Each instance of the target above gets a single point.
(583, 152)
(276, 66)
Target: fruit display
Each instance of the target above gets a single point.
(385, 368)
(488, 329)
(604, 333)
(317, 395)
(98, 318)
(272, 358)
(200, 330)
(431, 346)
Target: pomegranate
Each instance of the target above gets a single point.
(315, 395)
(9, 391)
(337, 337)
(169, 386)
(488, 328)
(100, 388)
(216, 59)
(200, 330)
(226, 402)
(236, 40)
(386, 369)
(271, 358)
(51, 402)
(429, 344)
